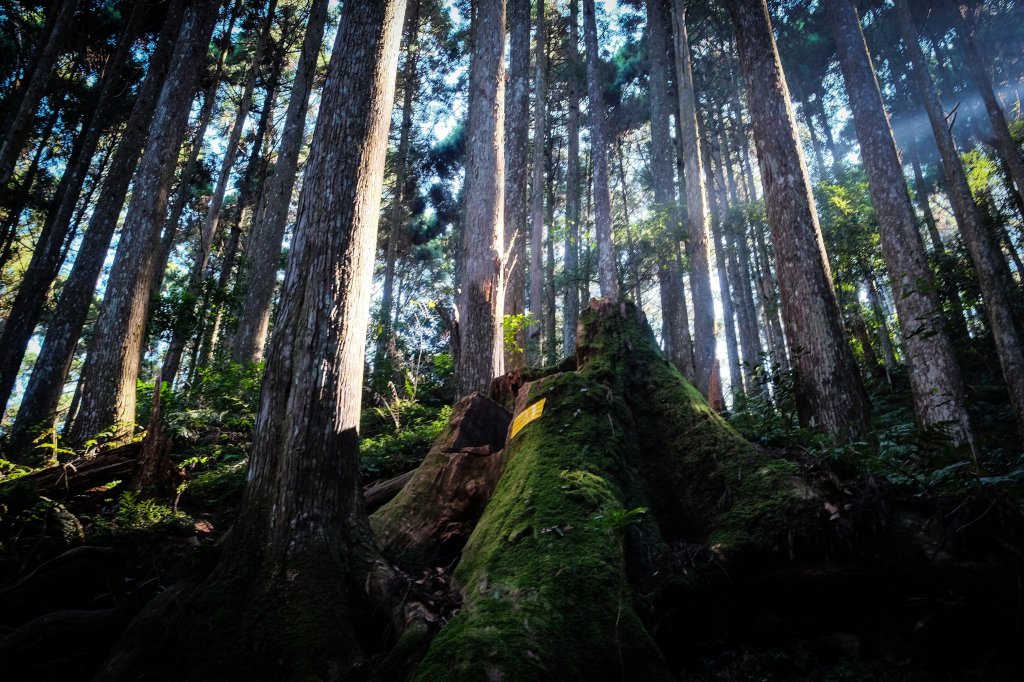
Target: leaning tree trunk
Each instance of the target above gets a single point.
(696, 209)
(112, 366)
(271, 217)
(606, 262)
(1009, 151)
(481, 296)
(302, 542)
(829, 391)
(935, 379)
(188, 323)
(46, 384)
(989, 266)
(18, 124)
(60, 225)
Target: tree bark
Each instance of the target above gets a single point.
(571, 264)
(606, 261)
(302, 528)
(829, 387)
(935, 381)
(46, 383)
(186, 325)
(696, 209)
(540, 125)
(383, 371)
(481, 287)
(112, 365)
(517, 134)
(59, 226)
(989, 265)
(271, 216)
(663, 171)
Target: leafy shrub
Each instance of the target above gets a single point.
(397, 435)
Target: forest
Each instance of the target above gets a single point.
(512, 340)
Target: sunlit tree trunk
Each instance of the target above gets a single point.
(270, 219)
(112, 366)
(480, 297)
(606, 269)
(46, 383)
(935, 379)
(696, 209)
(517, 133)
(829, 390)
(989, 265)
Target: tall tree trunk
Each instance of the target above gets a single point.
(719, 216)
(738, 255)
(23, 194)
(111, 368)
(46, 383)
(517, 134)
(550, 296)
(186, 325)
(935, 380)
(696, 209)
(663, 172)
(480, 298)
(571, 265)
(761, 269)
(989, 265)
(170, 232)
(302, 517)
(252, 185)
(18, 125)
(606, 268)
(59, 226)
(271, 216)
(1005, 145)
(540, 124)
(829, 387)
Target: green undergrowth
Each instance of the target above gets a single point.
(396, 436)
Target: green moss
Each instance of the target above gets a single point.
(546, 593)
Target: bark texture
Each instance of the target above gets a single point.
(302, 525)
(935, 379)
(540, 119)
(112, 366)
(989, 265)
(829, 388)
(271, 217)
(607, 270)
(517, 134)
(571, 267)
(481, 291)
(697, 216)
(46, 384)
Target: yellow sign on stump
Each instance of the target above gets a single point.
(526, 416)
